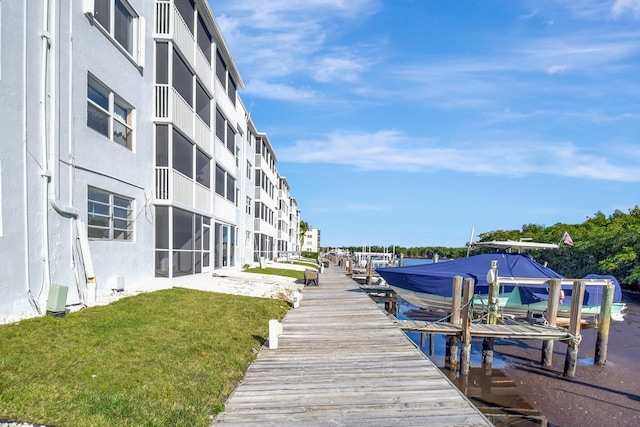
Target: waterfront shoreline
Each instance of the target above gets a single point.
(597, 395)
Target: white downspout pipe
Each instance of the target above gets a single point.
(45, 172)
(53, 197)
(25, 189)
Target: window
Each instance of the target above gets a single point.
(182, 154)
(248, 206)
(182, 79)
(203, 103)
(119, 21)
(231, 139)
(231, 90)
(204, 39)
(224, 245)
(110, 216)
(225, 132)
(203, 173)
(109, 114)
(187, 249)
(231, 189)
(225, 184)
(221, 69)
(186, 9)
(220, 126)
(220, 175)
(227, 83)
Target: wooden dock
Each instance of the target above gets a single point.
(341, 361)
(521, 331)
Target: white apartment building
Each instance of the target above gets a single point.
(311, 241)
(128, 160)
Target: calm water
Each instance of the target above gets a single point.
(490, 387)
(486, 386)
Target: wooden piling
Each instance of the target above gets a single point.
(451, 356)
(465, 354)
(493, 294)
(604, 323)
(487, 350)
(555, 285)
(577, 297)
(432, 344)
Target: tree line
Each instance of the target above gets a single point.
(602, 245)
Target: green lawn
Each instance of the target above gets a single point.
(165, 358)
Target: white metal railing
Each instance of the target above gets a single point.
(203, 68)
(182, 36)
(163, 186)
(172, 185)
(542, 281)
(162, 102)
(163, 18)
(202, 134)
(182, 113)
(182, 189)
(202, 197)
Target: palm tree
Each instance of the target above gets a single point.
(304, 227)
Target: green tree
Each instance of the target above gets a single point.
(304, 227)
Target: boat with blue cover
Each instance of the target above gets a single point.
(522, 284)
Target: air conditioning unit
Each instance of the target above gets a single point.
(118, 284)
(57, 300)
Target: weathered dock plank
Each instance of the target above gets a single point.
(341, 361)
(522, 331)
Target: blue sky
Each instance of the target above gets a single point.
(410, 122)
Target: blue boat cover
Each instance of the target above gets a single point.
(437, 278)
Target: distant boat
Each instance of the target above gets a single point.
(521, 281)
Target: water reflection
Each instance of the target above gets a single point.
(486, 386)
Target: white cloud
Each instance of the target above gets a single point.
(281, 92)
(621, 7)
(278, 39)
(555, 69)
(332, 69)
(390, 150)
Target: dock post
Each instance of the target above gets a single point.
(432, 344)
(604, 323)
(451, 356)
(369, 269)
(465, 354)
(487, 351)
(555, 285)
(577, 296)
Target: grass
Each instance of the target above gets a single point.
(310, 264)
(296, 274)
(166, 358)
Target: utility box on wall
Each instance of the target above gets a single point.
(57, 301)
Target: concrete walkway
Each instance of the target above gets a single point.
(341, 361)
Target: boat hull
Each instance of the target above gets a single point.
(441, 303)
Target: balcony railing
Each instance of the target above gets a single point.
(169, 105)
(172, 186)
(170, 24)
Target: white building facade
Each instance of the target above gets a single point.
(127, 159)
(311, 240)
